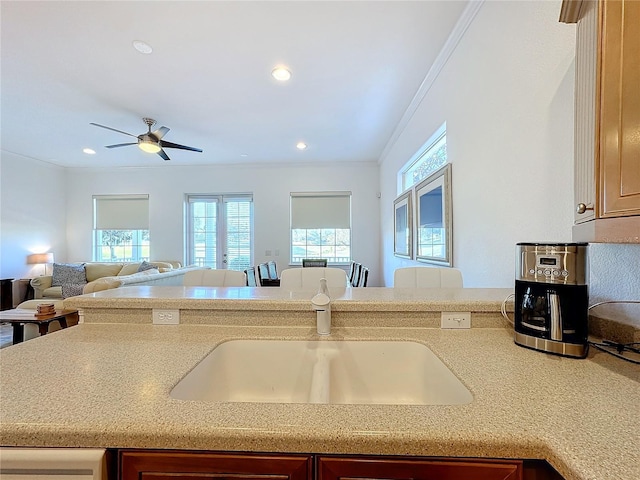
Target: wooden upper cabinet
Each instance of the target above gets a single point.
(620, 109)
(607, 122)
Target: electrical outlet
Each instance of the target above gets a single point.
(166, 317)
(455, 320)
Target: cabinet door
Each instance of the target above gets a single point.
(174, 465)
(620, 109)
(334, 468)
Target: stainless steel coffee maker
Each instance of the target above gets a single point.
(551, 299)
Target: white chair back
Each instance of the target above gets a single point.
(214, 278)
(427, 277)
(309, 278)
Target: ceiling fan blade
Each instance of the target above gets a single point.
(161, 132)
(109, 128)
(181, 147)
(163, 155)
(121, 145)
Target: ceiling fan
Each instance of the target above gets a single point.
(150, 142)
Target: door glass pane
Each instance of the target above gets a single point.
(204, 244)
(238, 239)
(220, 231)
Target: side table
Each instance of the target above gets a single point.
(18, 317)
(6, 293)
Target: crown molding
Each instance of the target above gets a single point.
(447, 50)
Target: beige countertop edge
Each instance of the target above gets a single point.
(580, 415)
(271, 305)
(252, 299)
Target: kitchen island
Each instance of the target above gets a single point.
(106, 383)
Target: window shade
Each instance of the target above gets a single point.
(321, 210)
(121, 212)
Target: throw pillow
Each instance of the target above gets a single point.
(67, 273)
(146, 266)
(72, 289)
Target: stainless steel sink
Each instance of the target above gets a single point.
(336, 372)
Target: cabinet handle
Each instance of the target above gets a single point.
(581, 208)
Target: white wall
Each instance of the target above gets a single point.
(32, 214)
(506, 94)
(168, 184)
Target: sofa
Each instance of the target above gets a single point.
(103, 276)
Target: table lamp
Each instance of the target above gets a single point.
(38, 258)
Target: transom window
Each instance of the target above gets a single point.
(321, 226)
(431, 157)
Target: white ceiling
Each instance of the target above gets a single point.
(356, 66)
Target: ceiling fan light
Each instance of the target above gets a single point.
(148, 146)
(282, 74)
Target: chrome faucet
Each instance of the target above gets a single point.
(321, 304)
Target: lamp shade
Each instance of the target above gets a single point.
(37, 258)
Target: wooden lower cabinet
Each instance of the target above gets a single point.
(175, 465)
(196, 465)
(338, 468)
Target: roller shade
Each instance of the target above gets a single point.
(121, 212)
(321, 210)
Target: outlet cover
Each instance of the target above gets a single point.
(455, 320)
(166, 317)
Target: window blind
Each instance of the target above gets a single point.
(320, 210)
(121, 212)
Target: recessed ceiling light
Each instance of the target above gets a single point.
(244, 154)
(142, 47)
(89, 151)
(301, 145)
(281, 74)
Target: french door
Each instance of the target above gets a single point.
(220, 231)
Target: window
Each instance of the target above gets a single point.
(321, 226)
(220, 231)
(431, 157)
(120, 228)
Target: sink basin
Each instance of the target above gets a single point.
(326, 371)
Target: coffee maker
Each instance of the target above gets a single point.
(551, 299)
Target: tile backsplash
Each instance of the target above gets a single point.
(614, 272)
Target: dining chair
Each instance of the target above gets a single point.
(252, 280)
(273, 270)
(314, 262)
(309, 278)
(265, 275)
(352, 271)
(214, 278)
(357, 269)
(427, 277)
(364, 277)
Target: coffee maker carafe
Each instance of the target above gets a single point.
(551, 298)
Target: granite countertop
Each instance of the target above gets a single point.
(107, 385)
(265, 298)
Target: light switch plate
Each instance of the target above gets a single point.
(165, 317)
(455, 320)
